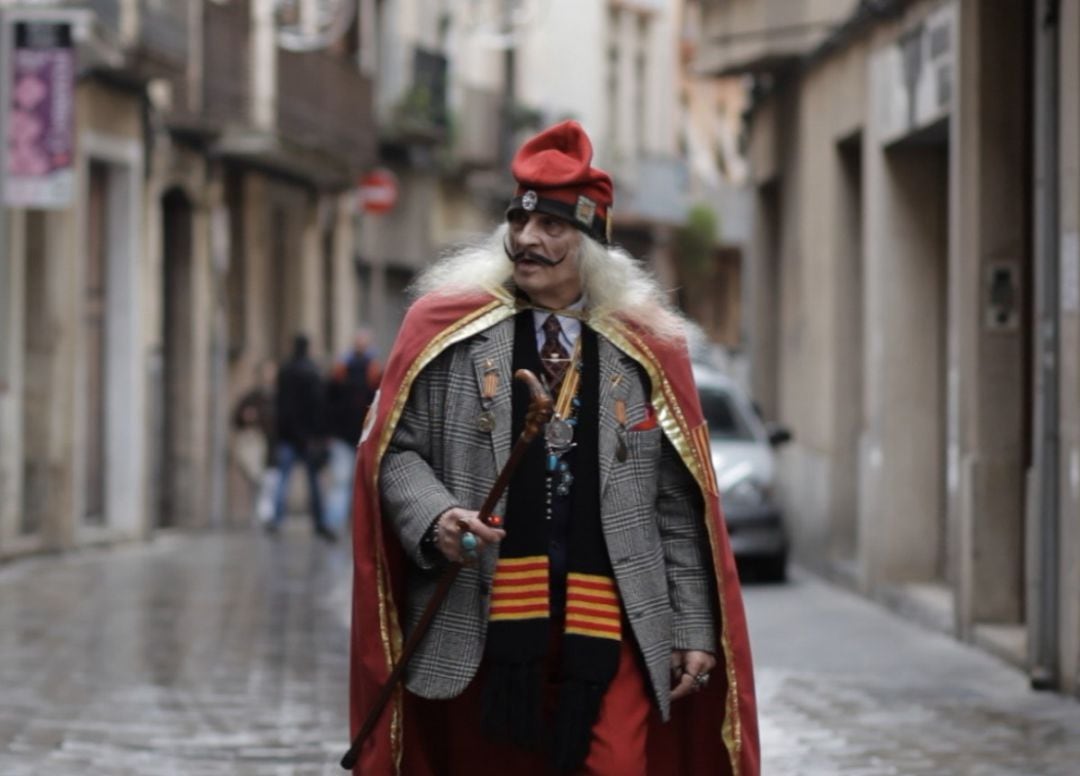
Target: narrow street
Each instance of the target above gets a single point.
(227, 654)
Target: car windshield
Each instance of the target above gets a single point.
(724, 416)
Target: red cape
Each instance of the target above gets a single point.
(711, 732)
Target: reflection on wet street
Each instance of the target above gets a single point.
(210, 654)
(845, 687)
(226, 653)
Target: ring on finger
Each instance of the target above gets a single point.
(469, 543)
(702, 679)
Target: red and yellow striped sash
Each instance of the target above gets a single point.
(592, 606)
(520, 590)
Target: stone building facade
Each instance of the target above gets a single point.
(912, 301)
(213, 218)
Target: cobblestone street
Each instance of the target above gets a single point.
(227, 654)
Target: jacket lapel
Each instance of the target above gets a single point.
(614, 384)
(492, 354)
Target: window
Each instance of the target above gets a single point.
(724, 417)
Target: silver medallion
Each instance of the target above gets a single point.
(486, 422)
(529, 200)
(559, 434)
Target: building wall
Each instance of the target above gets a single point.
(568, 86)
(179, 306)
(892, 278)
(1069, 533)
(47, 419)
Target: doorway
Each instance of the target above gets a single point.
(177, 483)
(915, 342)
(95, 345)
(849, 413)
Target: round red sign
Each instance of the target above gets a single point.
(377, 191)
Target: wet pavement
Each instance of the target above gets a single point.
(226, 653)
(211, 654)
(846, 688)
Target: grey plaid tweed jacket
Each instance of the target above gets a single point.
(651, 512)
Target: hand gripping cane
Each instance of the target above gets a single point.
(540, 409)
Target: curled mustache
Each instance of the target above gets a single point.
(527, 255)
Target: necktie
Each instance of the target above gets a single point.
(552, 353)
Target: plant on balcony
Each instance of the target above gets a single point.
(695, 242)
(417, 113)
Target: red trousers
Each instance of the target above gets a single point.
(442, 738)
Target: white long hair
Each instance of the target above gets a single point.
(616, 284)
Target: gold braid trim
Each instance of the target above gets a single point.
(677, 430)
(389, 627)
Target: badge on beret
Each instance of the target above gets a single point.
(528, 200)
(585, 210)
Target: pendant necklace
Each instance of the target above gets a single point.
(559, 433)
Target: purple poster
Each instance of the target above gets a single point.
(41, 116)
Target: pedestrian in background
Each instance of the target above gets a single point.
(253, 442)
(349, 391)
(300, 433)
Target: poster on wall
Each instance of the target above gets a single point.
(40, 116)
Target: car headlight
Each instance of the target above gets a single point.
(747, 491)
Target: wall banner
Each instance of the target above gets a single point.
(40, 115)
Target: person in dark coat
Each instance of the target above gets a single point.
(300, 432)
(349, 391)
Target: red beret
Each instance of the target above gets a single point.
(554, 175)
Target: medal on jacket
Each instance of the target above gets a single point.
(559, 433)
(485, 421)
(621, 452)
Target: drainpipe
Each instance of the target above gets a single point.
(1044, 636)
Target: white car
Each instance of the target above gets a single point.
(745, 462)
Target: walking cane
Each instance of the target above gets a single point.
(539, 413)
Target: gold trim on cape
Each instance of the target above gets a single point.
(389, 628)
(679, 433)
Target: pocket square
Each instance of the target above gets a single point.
(649, 422)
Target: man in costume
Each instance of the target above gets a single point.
(600, 629)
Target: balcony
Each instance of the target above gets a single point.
(740, 36)
(164, 33)
(109, 14)
(226, 83)
(324, 106)
(154, 34)
(420, 114)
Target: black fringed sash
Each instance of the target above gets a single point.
(529, 590)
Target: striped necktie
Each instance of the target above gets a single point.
(553, 354)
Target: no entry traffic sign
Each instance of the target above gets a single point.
(377, 191)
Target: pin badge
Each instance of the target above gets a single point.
(585, 210)
(620, 411)
(485, 422)
(491, 384)
(529, 200)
